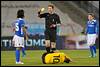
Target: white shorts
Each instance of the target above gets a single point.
(91, 38)
(18, 41)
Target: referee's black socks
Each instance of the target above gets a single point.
(48, 49)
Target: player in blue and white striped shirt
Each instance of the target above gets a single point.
(92, 33)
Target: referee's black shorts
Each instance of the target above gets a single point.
(50, 35)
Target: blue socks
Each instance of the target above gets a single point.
(17, 55)
(93, 50)
(17, 52)
(23, 52)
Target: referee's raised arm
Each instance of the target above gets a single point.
(41, 15)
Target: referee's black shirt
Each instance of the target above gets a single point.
(50, 19)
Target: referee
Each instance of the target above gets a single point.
(52, 21)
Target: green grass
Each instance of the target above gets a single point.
(33, 58)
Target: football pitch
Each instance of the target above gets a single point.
(33, 58)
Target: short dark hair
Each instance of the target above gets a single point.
(20, 13)
(51, 6)
(92, 14)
